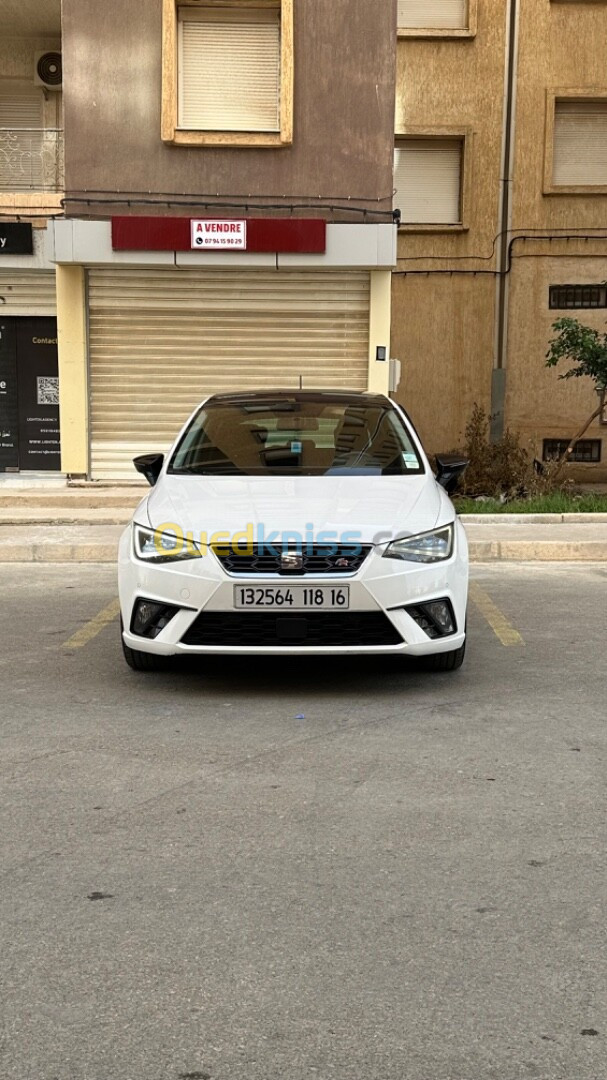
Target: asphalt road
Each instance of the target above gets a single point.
(278, 870)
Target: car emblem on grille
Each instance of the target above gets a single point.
(291, 560)
(342, 563)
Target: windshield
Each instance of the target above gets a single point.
(284, 436)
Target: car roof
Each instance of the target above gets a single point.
(341, 397)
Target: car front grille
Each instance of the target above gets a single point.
(315, 559)
(306, 629)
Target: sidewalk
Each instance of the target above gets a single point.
(83, 525)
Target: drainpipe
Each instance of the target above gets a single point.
(500, 357)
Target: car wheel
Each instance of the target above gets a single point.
(142, 661)
(445, 661)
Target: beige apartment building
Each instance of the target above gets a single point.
(501, 178)
(295, 120)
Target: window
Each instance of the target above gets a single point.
(433, 18)
(228, 73)
(586, 450)
(428, 181)
(579, 144)
(322, 435)
(21, 137)
(562, 297)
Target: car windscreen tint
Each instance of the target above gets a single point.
(309, 438)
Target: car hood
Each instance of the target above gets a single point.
(376, 508)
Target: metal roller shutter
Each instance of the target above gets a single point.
(24, 292)
(229, 70)
(160, 340)
(580, 143)
(21, 136)
(427, 179)
(427, 14)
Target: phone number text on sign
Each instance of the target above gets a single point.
(219, 234)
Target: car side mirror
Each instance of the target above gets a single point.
(149, 465)
(450, 467)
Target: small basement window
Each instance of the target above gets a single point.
(586, 451)
(562, 297)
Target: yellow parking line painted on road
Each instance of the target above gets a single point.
(94, 627)
(502, 628)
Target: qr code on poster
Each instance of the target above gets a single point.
(48, 390)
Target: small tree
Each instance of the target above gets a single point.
(586, 349)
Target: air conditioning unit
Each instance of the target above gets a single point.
(48, 70)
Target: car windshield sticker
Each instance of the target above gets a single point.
(296, 447)
(410, 460)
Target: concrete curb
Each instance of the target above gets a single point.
(58, 553)
(49, 503)
(119, 518)
(480, 551)
(118, 515)
(537, 551)
(533, 519)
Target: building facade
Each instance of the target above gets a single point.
(228, 210)
(210, 189)
(31, 187)
(501, 178)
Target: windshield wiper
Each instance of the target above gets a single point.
(209, 468)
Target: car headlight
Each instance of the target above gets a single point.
(151, 545)
(427, 547)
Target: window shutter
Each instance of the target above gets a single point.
(432, 14)
(21, 137)
(427, 178)
(580, 143)
(229, 70)
(20, 107)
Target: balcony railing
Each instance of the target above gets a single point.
(31, 159)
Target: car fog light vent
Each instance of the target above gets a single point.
(150, 618)
(435, 618)
(423, 622)
(440, 611)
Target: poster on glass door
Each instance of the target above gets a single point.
(38, 394)
(9, 420)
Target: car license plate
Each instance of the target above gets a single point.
(292, 598)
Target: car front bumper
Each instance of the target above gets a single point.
(381, 585)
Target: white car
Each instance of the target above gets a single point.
(295, 522)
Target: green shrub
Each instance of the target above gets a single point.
(502, 470)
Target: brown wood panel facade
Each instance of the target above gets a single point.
(344, 54)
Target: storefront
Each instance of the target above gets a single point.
(29, 378)
(175, 324)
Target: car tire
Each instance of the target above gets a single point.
(142, 661)
(445, 661)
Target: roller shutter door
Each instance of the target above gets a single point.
(24, 292)
(160, 340)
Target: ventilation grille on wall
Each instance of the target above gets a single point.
(48, 70)
(577, 296)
